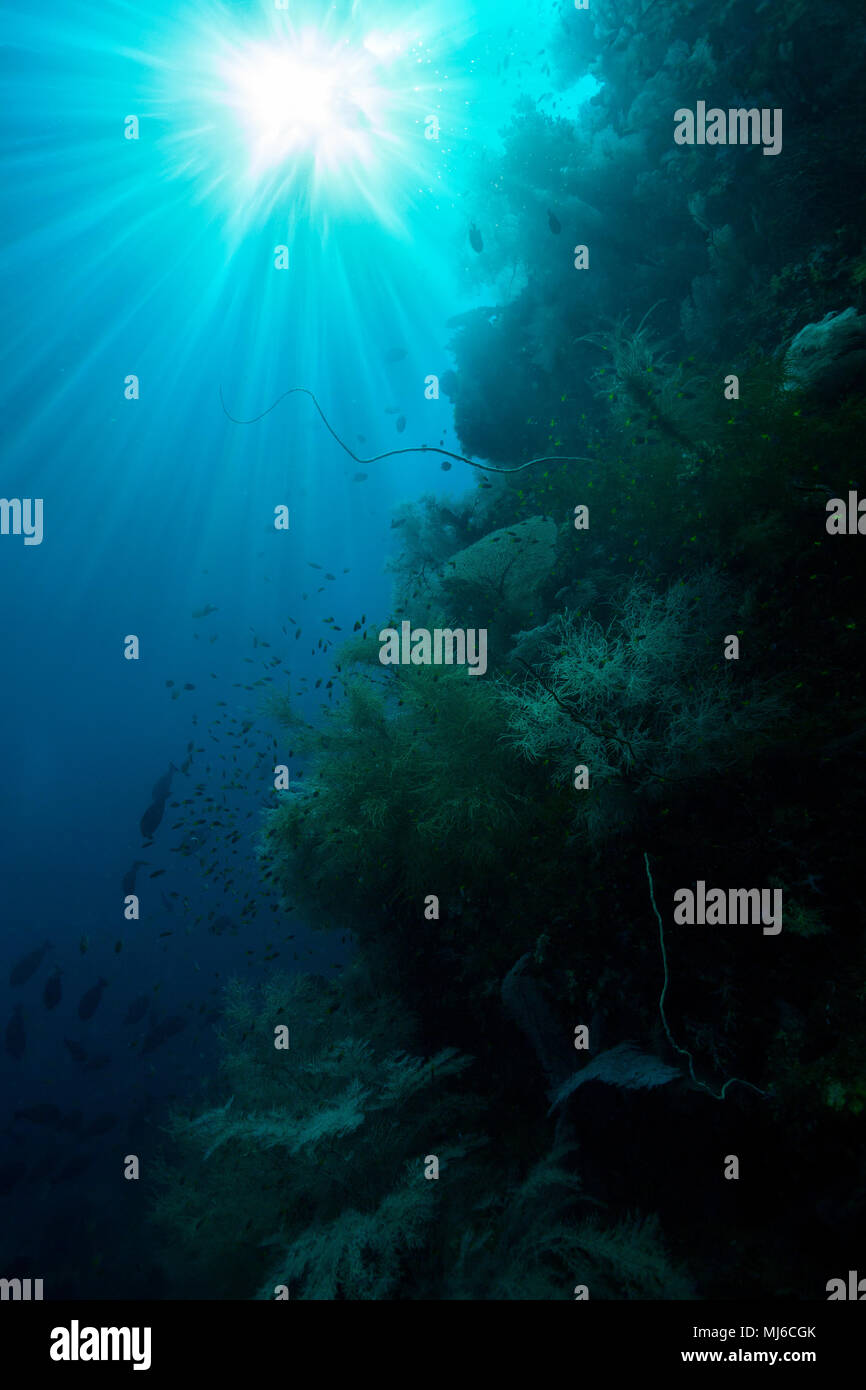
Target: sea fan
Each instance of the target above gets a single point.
(624, 1065)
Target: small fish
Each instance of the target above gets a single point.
(395, 354)
(401, 424)
(475, 238)
(40, 1115)
(16, 1038)
(362, 439)
(83, 944)
(28, 965)
(77, 1165)
(156, 873)
(162, 1032)
(313, 566)
(162, 787)
(101, 1124)
(137, 1009)
(128, 881)
(76, 1051)
(10, 1175)
(203, 612)
(96, 1063)
(152, 818)
(445, 466)
(89, 1002)
(553, 223)
(360, 478)
(53, 991)
(189, 686)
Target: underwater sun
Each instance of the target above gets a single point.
(300, 98)
(285, 115)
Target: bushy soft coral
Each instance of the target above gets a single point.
(646, 703)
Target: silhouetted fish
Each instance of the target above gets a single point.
(360, 478)
(395, 354)
(78, 1164)
(150, 821)
(41, 1168)
(554, 223)
(76, 1050)
(10, 1175)
(28, 965)
(96, 1063)
(16, 1038)
(137, 1009)
(100, 1125)
(53, 991)
(163, 1031)
(401, 424)
(128, 880)
(475, 238)
(162, 788)
(40, 1115)
(90, 1000)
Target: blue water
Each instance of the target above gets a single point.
(155, 258)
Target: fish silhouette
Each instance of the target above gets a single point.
(90, 1000)
(53, 991)
(16, 1038)
(28, 965)
(152, 818)
(553, 223)
(101, 1124)
(76, 1165)
(162, 788)
(41, 1115)
(128, 881)
(10, 1174)
(137, 1009)
(475, 238)
(163, 1031)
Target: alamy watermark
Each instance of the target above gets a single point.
(736, 126)
(21, 1290)
(22, 516)
(720, 907)
(443, 646)
(77, 1343)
